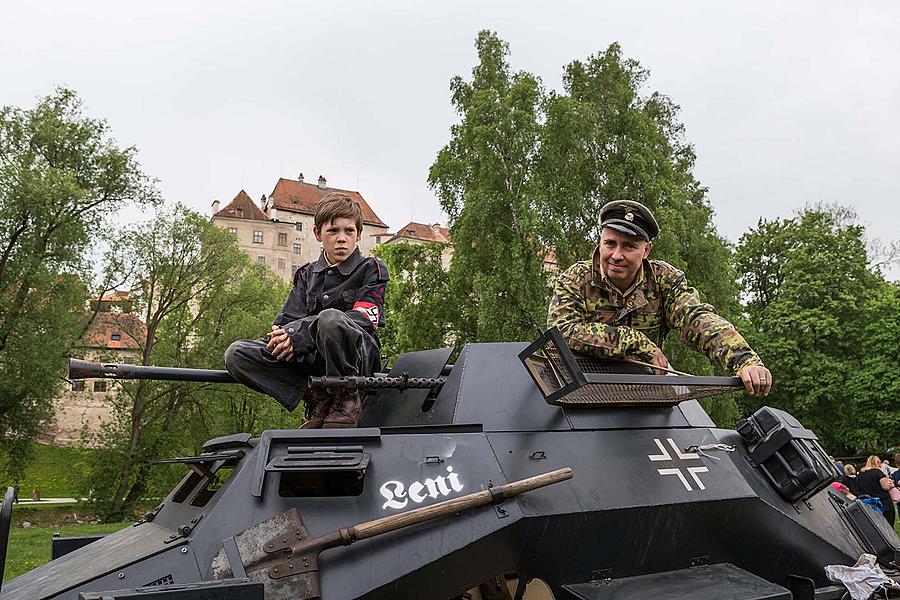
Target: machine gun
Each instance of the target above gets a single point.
(665, 504)
(84, 369)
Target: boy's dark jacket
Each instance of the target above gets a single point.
(354, 287)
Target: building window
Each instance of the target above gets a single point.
(261, 260)
(298, 226)
(100, 385)
(116, 337)
(294, 269)
(257, 236)
(296, 248)
(78, 385)
(281, 264)
(232, 230)
(128, 360)
(282, 239)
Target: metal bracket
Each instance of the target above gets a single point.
(700, 561)
(501, 511)
(149, 516)
(538, 455)
(185, 530)
(295, 561)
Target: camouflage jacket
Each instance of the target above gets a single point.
(596, 318)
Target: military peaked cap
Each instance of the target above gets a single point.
(629, 217)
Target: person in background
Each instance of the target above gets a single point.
(840, 487)
(849, 478)
(872, 482)
(837, 464)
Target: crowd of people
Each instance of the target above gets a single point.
(877, 484)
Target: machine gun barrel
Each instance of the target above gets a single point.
(369, 383)
(85, 369)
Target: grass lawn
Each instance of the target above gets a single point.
(56, 472)
(30, 548)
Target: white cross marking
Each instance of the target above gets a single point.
(678, 472)
(687, 456)
(693, 471)
(665, 453)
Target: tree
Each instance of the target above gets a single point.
(827, 321)
(483, 177)
(419, 313)
(61, 176)
(195, 292)
(525, 173)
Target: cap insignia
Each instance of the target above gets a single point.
(629, 216)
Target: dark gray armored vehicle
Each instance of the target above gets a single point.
(520, 471)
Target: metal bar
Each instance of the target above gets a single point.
(633, 379)
(5, 520)
(84, 369)
(224, 455)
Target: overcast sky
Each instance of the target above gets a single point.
(786, 103)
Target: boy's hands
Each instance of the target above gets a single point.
(279, 344)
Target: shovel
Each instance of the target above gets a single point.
(280, 552)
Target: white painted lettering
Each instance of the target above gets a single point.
(398, 495)
(442, 485)
(392, 490)
(454, 480)
(415, 492)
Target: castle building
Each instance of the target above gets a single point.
(278, 231)
(423, 233)
(111, 337)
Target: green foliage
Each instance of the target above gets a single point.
(61, 175)
(30, 548)
(829, 324)
(418, 296)
(56, 472)
(484, 179)
(195, 292)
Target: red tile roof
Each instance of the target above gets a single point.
(424, 232)
(242, 207)
(129, 327)
(299, 196)
(114, 296)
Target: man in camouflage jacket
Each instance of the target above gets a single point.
(620, 304)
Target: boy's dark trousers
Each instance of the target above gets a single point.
(343, 348)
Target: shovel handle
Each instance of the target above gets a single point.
(448, 507)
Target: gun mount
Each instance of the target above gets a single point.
(663, 504)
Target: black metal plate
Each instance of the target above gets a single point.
(114, 552)
(715, 582)
(394, 407)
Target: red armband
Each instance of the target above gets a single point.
(370, 310)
